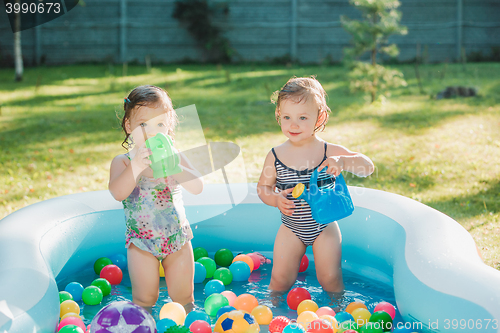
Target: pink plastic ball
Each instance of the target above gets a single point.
(112, 273)
(231, 297)
(200, 326)
(72, 321)
(295, 296)
(387, 307)
(256, 260)
(325, 310)
(304, 263)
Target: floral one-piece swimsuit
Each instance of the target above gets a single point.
(155, 217)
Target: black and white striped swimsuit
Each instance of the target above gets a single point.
(301, 223)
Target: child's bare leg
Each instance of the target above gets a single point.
(288, 251)
(144, 273)
(327, 258)
(179, 275)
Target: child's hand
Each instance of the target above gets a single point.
(284, 205)
(334, 165)
(141, 159)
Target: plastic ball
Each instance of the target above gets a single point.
(295, 296)
(245, 302)
(199, 252)
(347, 325)
(351, 331)
(213, 303)
(293, 328)
(223, 257)
(223, 274)
(119, 260)
(231, 296)
(331, 320)
(262, 314)
(353, 306)
(64, 296)
(387, 307)
(278, 324)
(244, 258)
(209, 266)
(112, 273)
(200, 272)
(100, 263)
(304, 263)
(71, 321)
(102, 284)
(174, 311)
(213, 287)
(161, 270)
(71, 314)
(123, 316)
(177, 329)
(325, 310)
(383, 318)
(361, 316)
(224, 309)
(307, 305)
(240, 270)
(256, 260)
(200, 326)
(321, 326)
(75, 289)
(343, 316)
(398, 330)
(236, 322)
(305, 318)
(375, 328)
(194, 316)
(92, 295)
(68, 306)
(163, 324)
(71, 329)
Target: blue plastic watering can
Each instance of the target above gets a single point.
(327, 205)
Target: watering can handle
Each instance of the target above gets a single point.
(313, 181)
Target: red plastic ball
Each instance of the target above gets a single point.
(304, 263)
(200, 326)
(256, 260)
(112, 273)
(295, 296)
(278, 324)
(320, 326)
(387, 307)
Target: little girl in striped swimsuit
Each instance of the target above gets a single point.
(301, 111)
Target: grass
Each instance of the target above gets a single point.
(59, 131)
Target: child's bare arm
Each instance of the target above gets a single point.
(340, 158)
(189, 178)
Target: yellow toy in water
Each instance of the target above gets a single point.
(164, 159)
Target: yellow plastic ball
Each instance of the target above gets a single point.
(67, 307)
(71, 314)
(307, 305)
(262, 314)
(361, 316)
(162, 271)
(174, 311)
(353, 306)
(331, 320)
(305, 318)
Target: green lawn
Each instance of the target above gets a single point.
(59, 131)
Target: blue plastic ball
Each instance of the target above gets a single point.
(343, 316)
(402, 330)
(76, 290)
(196, 315)
(214, 286)
(119, 260)
(200, 272)
(293, 328)
(162, 325)
(240, 270)
(224, 309)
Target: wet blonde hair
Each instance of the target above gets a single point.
(299, 89)
(151, 96)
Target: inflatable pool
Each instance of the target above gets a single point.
(431, 262)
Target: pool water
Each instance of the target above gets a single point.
(357, 288)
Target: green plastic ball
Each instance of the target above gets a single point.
(383, 318)
(177, 329)
(214, 302)
(224, 257)
(101, 263)
(209, 264)
(70, 329)
(347, 325)
(199, 252)
(92, 295)
(371, 328)
(224, 275)
(102, 284)
(64, 296)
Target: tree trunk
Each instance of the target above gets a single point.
(18, 54)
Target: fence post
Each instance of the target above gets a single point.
(123, 31)
(459, 28)
(293, 31)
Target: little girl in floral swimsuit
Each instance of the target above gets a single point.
(157, 228)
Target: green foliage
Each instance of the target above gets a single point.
(198, 16)
(380, 20)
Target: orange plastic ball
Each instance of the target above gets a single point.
(262, 314)
(353, 306)
(245, 302)
(244, 258)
